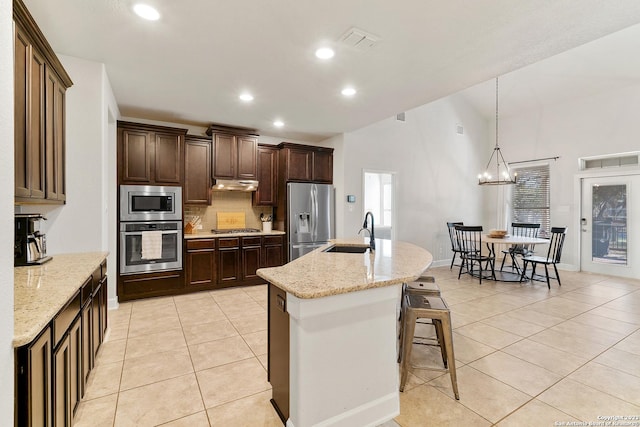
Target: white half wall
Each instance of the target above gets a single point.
(594, 125)
(6, 214)
(436, 170)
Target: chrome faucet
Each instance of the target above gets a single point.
(372, 234)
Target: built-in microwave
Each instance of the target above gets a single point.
(150, 203)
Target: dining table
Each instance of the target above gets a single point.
(492, 241)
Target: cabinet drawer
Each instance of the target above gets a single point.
(86, 291)
(251, 241)
(272, 240)
(229, 242)
(63, 320)
(201, 244)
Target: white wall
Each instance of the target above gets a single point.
(595, 125)
(436, 171)
(6, 214)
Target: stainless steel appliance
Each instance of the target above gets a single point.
(150, 246)
(30, 245)
(310, 217)
(150, 203)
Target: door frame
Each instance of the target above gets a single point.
(577, 200)
(394, 189)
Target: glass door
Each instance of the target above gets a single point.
(609, 239)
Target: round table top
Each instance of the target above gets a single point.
(514, 240)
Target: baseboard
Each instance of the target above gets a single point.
(113, 304)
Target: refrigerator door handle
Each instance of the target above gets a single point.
(314, 210)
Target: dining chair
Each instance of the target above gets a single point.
(554, 253)
(521, 229)
(470, 239)
(455, 246)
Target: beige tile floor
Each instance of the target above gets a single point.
(525, 356)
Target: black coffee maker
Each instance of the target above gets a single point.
(30, 247)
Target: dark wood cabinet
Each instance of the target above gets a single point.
(33, 382)
(267, 193)
(150, 155)
(40, 84)
(62, 383)
(197, 171)
(75, 368)
(278, 350)
(234, 153)
(305, 163)
(201, 263)
(229, 267)
(145, 285)
(251, 257)
(87, 345)
(273, 251)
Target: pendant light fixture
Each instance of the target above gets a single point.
(497, 171)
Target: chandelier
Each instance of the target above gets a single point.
(497, 171)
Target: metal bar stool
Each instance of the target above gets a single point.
(427, 307)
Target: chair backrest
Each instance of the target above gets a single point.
(555, 243)
(452, 235)
(525, 229)
(469, 238)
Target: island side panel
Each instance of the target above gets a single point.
(343, 358)
(278, 350)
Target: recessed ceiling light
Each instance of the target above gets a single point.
(147, 12)
(348, 91)
(325, 53)
(246, 97)
(278, 123)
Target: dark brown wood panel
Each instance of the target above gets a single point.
(197, 171)
(135, 162)
(36, 125)
(22, 62)
(251, 260)
(323, 167)
(34, 400)
(229, 269)
(87, 345)
(273, 256)
(168, 158)
(62, 384)
(267, 194)
(224, 155)
(134, 286)
(54, 136)
(95, 321)
(75, 370)
(298, 165)
(247, 158)
(201, 266)
(278, 350)
(60, 117)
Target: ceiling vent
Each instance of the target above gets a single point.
(355, 37)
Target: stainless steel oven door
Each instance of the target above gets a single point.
(169, 257)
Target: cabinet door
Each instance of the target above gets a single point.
(201, 267)
(35, 129)
(168, 158)
(54, 136)
(75, 371)
(36, 406)
(197, 172)
(228, 266)
(247, 157)
(104, 301)
(267, 194)
(135, 159)
(323, 167)
(87, 344)
(224, 155)
(62, 384)
(96, 335)
(298, 165)
(273, 256)
(251, 259)
(22, 63)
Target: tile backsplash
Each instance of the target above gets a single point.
(227, 201)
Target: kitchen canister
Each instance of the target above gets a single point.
(266, 226)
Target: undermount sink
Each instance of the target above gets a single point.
(345, 249)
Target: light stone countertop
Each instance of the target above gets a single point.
(207, 235)
(41, 291)
(319, 274)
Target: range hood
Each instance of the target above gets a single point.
(234, 185)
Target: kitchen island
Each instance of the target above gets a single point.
(333, 333)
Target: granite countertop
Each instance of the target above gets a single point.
(41, 291)
(208, 235)
(319, 274)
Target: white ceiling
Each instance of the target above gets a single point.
(190, 66)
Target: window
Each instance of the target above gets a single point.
(530, 198)
(378, 198)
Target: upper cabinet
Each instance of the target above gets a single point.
(267, 193)
(305, 163)
(234, 153)
(197, 171)
(149, 154)
(40, 84)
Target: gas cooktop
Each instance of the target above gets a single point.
(236, 230)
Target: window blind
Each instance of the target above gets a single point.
(531, 198)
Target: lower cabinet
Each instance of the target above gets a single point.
(52, 371)
(273, 251)
(251, 258)
(229, 272)
(200, 263)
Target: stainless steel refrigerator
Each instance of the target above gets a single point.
(311, 217)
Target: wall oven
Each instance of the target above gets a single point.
(150, 203)
(150, 246)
